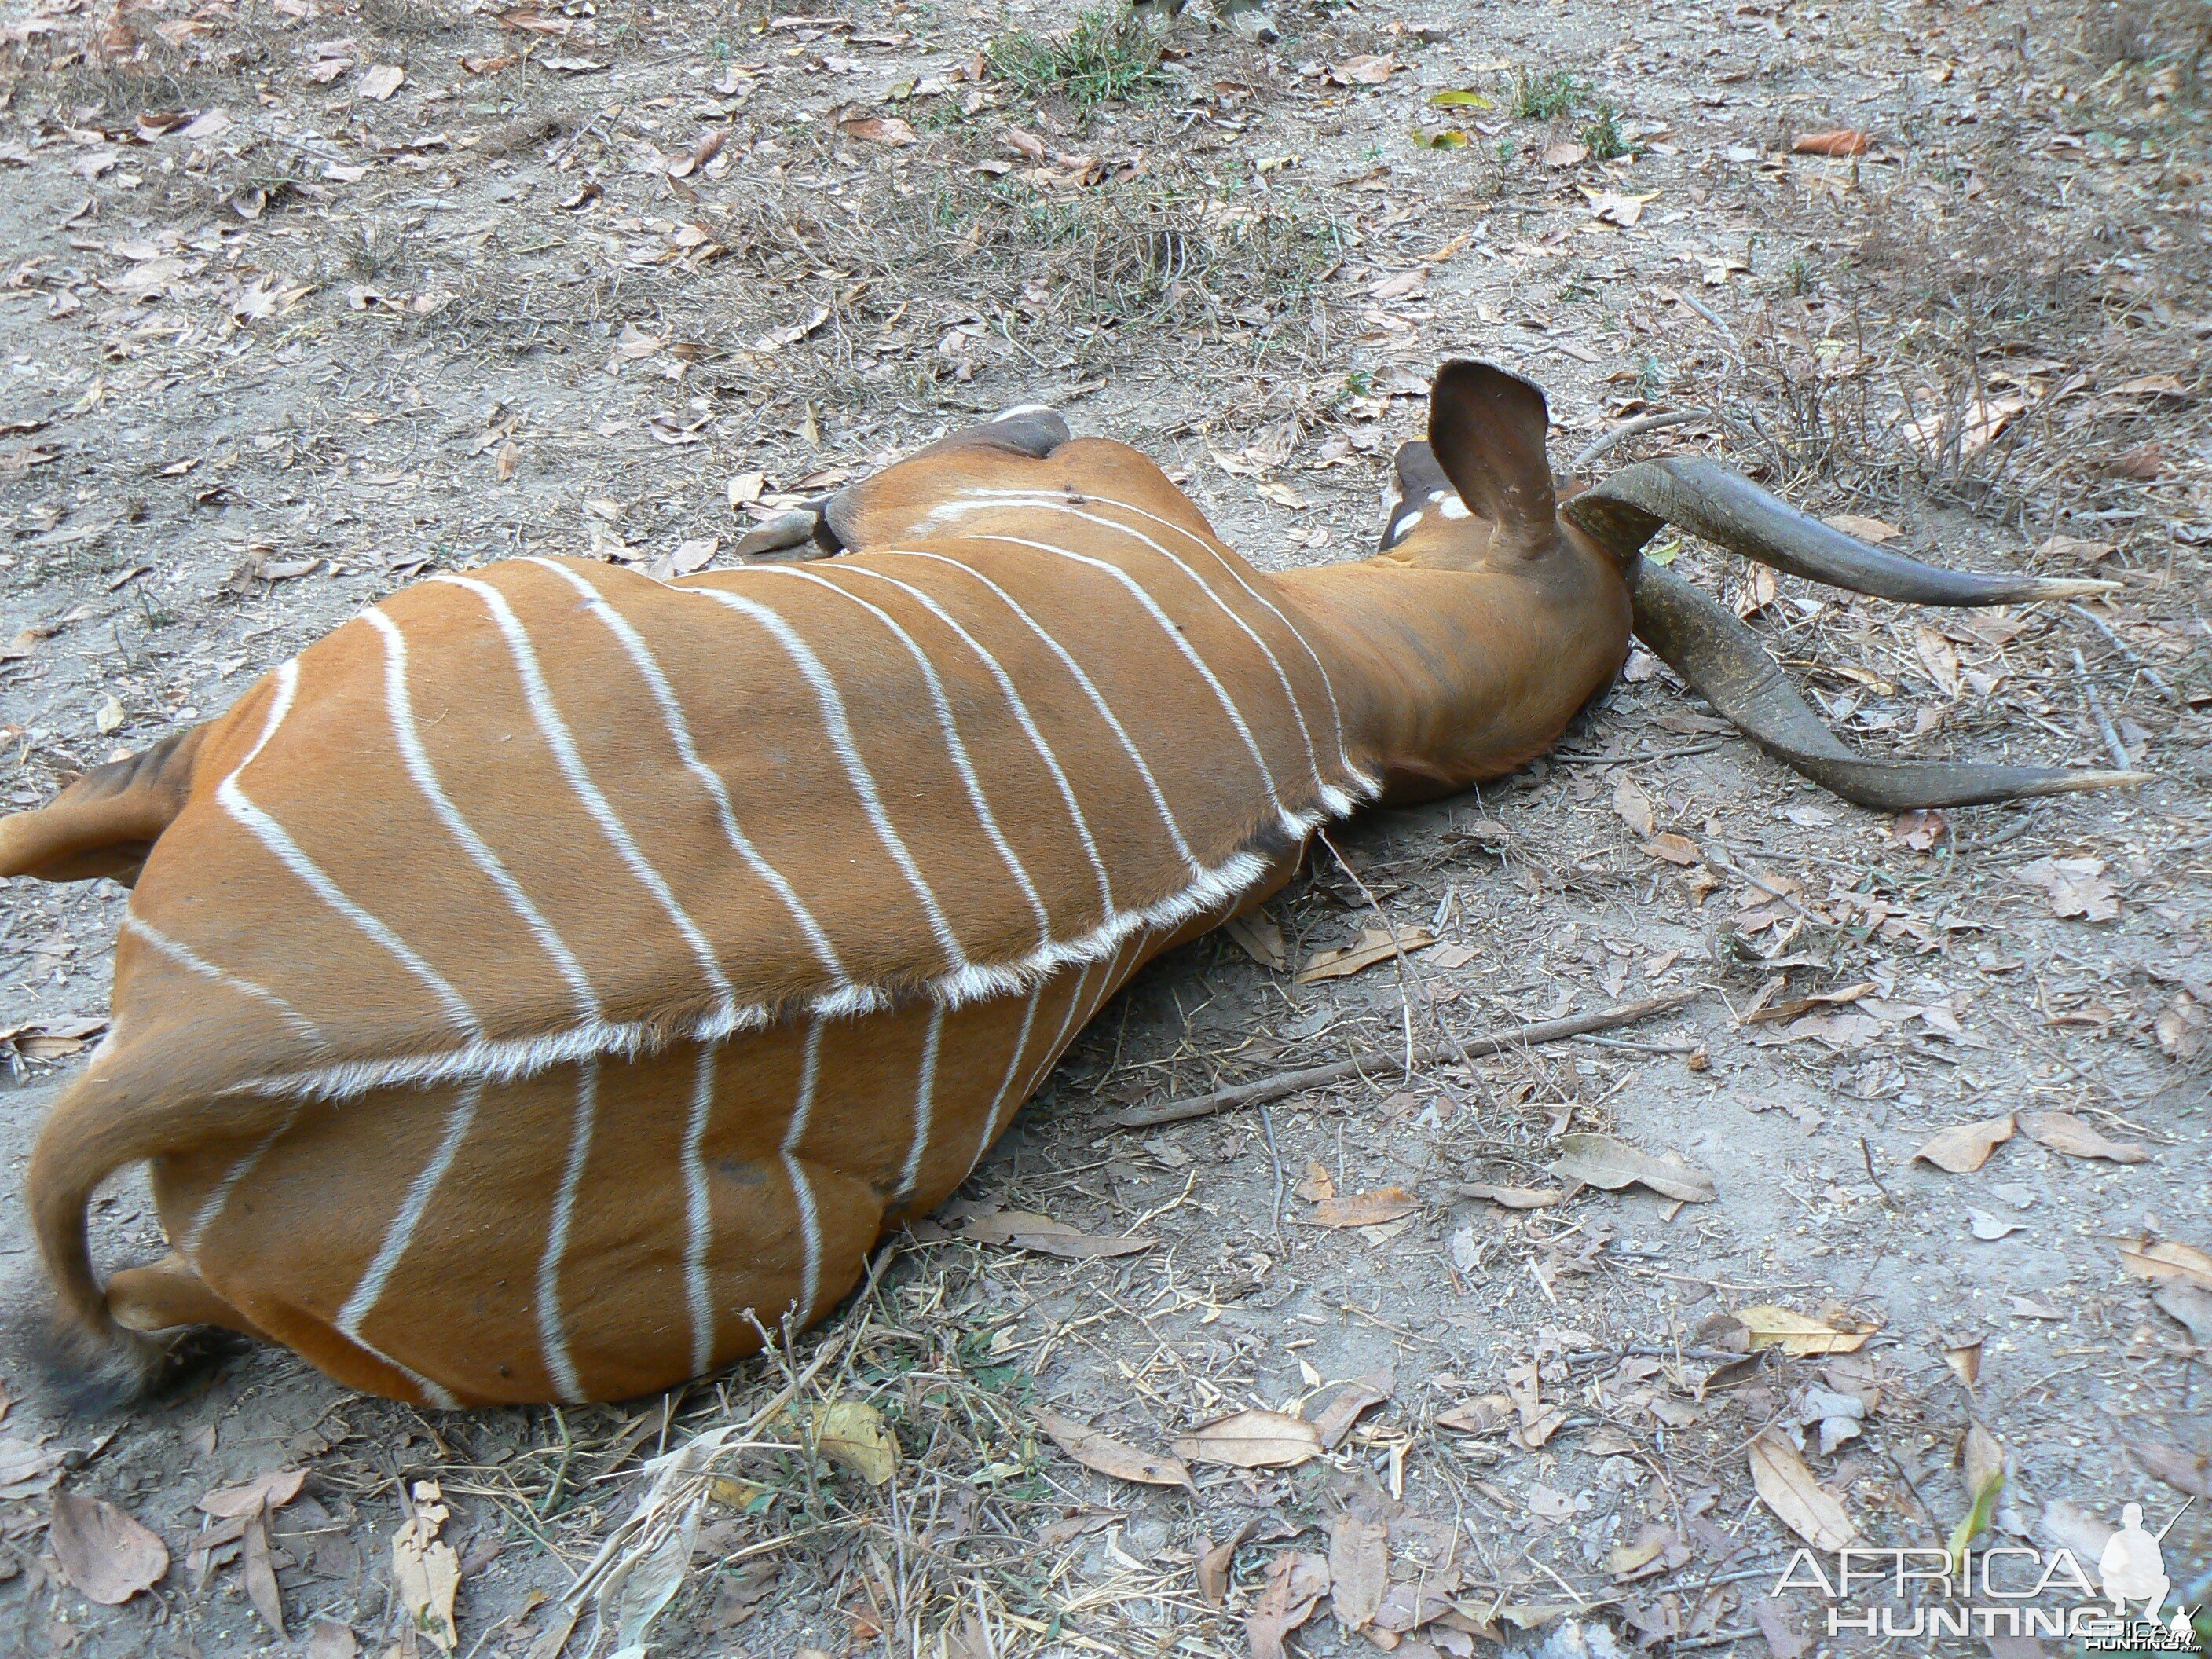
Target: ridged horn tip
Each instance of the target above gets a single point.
(2070, 587)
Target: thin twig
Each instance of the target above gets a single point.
(1628, 429)
(2113, 746)
(1280, 1083)
(1275, 1161)
(1866, 1151)
(2121, 646)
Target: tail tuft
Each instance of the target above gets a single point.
(75, 1373)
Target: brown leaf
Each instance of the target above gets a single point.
(1023, 144)
(1842, 141)
(1260, 938)
(2062, 1132)
(1867, 530)
(1796, 1334)
(1597, 1160)
(1364, 1209)
(2189, 1305)
(1484, 1416)
(1782, 1641)
(425, 1570)
(1564, 153)
(332, 1640)
(260, 1575)
(2076, 887)
(1108, 1455)
(2185, 1472)
(107, 1556)
(1041, 1233)
(1252, 1440)
(2168, 1260)
(1514, 1198)
(272, 1491)
(1295, 1583)
(1358, 1570)
(1335, 1423)
(1674, 849)
(1965, 1147)
(1635, 808)
(1801, 1504)
(2144, 463)
(1316, 1186)
(879, 129)
(1376, 945)
(1918, 829)
(1371, 70)
(381, 81)
(1216, 1561)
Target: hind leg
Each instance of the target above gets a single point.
(168, 1294)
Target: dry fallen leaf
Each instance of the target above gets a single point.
(1796, 1334)
(1801, 1504)
(2076, 887)
(260, 1573)
(1989, 1228)
(272, 1491)
(1364, 1209)
(380, 80)
(425, 1569)
(1843, 141)
(1028, 1231)
(2183, 1471)
(2168, 1260)
(1335, 1423)
(1108, 1455)
(1252, 1440)
(1358, 1570)
(1635, 808)
(332, 1640)
(1965, 1147)
(1295, 1583)
(1376, 945)
(852, 1434)
(1514, 1198)
(1674, 849)
(1317, 1184)
(109, 717)
(1371, 71)
(879, 129)
(1867, 530)
(2062, 1132)
(1598, 1160)
(1613, 208)
(1216, 1561)
(1564, 153)
(1260, 938)
(2189, 1305)
(107, 1556)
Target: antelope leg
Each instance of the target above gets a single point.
(1706, 643)
(1708, 500)
(802, 533)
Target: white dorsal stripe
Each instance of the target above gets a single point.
(698, 1214)
(1282, 679)
(810, 1231)
(400, 1233)
(187, 959)
(831, 701)
(962, 762)
(998, 1106)
(399, 704)
(1175, 635)
(679, 734)
(563, 743)
(279, 843)
(925, 1105)
(218, 1201)
(1367, 785)
(810, 1073)
(1082, 680)
(552, 1328)
(1022, 717)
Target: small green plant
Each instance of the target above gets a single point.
(1600, 134)
(1548, 94)
(1360, 383)
(1108, 57)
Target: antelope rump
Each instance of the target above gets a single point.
(555, 976)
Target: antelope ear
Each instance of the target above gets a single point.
(1487, 429)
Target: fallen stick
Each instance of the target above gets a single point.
(1393, 1059)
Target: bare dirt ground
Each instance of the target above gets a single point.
(300, 299)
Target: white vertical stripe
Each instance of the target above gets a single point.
(1021, 712)
(1174, 634)
(1228, 564)
(273, 837)
(679, 734)
(399, 703)
(1000, 1104)
(954, 746)
(698, 1215)
(1105, 709)
(802, 1189)
(1290, 696)
(212, 1206)
(552, 1329)
(810, 1229)
(401, 1232)
(563, 743)
(925, 1103)
(184, 957)
(831, 701)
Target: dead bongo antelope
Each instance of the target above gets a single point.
(554, 971)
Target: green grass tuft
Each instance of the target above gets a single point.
(1108, 57)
